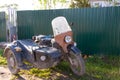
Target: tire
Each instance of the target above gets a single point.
(77, 63)
(12, 62)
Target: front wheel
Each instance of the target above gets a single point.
(77, 63)
(12, 62)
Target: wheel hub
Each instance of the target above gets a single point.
(12, 62)
(73, 62)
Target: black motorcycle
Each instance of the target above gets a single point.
(46, 51)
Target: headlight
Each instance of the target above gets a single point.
(43, 58)
(68, 39)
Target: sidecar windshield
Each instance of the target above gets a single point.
(60, 25)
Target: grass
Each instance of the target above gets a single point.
(42, 73)
(106, 68)
(97, 68)
(1, 52)
(2, 60)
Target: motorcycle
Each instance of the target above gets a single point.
(46, 51)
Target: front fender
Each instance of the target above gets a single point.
(74, 49)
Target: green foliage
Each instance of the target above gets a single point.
(63, 66)
(62, 1)
(2, 60)
(15, 6)
(48, 4)
(103, 68)
(42, 73)
(79, 3)
(44, 2)
(1, 52)
(97, 68)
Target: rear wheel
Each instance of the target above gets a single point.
(12, 62)
(77, 63)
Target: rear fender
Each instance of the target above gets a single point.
(18, 55)
(7, 49)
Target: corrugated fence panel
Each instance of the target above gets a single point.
(96, 30)
(35, 22)
(2, 27)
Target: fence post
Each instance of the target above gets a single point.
(12, 25)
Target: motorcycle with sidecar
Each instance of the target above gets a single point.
(46, 51)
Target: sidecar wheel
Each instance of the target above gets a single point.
(77, 63)
(12, 63)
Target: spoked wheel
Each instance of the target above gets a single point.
(12, 63)
(76, 63)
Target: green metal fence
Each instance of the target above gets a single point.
(96, 30)
(2, 27)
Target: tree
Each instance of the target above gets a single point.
(79, 3)
(48, 4)
(15, 6)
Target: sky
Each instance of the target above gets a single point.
(27, 4)
(22, 4)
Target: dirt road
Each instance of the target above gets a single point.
(4, 73)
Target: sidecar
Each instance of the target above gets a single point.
(24, 54)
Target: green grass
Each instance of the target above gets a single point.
(2, 60)
(97, 68)
(1, 52)
(42, 73)
(106, 68)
